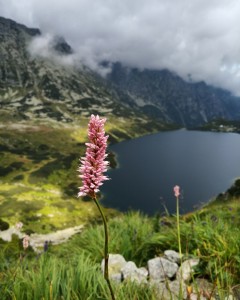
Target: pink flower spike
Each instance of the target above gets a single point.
(176, 190)
(93, 165)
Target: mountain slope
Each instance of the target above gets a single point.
(50, 89)
(34, 87)
(168, 97)
(42, 88)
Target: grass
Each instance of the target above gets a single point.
(38, 163)
(43, 208)
(72, 270)
(128, 234)
(38, 187)
(212, 237)
(212, 234)
(57, 276)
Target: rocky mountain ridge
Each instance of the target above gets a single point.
(37, 87)
(164, 95)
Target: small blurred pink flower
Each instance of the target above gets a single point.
(19, 225)
(26, 240)
(93, 165)
(176, 190)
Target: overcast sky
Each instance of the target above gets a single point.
(197, 37)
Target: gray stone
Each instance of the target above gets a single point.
(129, 268)
(143, 271)
(173, 256)
(160, 268)
(194, 296)
(132, 273)
(159, 289)
(186, 269)
(117, 277)
(115, 263)
(203, 287)
(168, 290)
(177, 290)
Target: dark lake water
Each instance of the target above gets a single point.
(203, 164)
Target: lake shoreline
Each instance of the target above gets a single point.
(143, 142)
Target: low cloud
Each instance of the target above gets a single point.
(192, 38)
(44, 46)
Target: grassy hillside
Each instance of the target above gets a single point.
(39, 186)
(72, 270)
(38, 177)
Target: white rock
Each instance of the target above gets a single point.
(186, 269)
(132, 273)
(173, 256)
(129, 268)
(143, 271)
(159, 289)
(116, 277)
(160, 268)
(177, 290)
(197, 297)
(115, 263)
(168, 290)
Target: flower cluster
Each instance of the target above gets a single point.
(93, 165)
(176, 190)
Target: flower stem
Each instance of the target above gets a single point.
(178, 228)
(106, 255)
(179, 244)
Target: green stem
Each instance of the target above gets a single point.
(179, 244)
(106, 255)
(178, 228)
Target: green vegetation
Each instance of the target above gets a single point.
(39, 187)
(38, 163)
(221, 125)
(52, 277)
(72, 270)
(42, 134)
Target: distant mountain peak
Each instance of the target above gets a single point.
(8, 24)
(61, 46)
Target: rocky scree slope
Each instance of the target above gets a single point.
(164, 95)
(35, 87)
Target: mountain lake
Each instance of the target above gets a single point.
(203, 164)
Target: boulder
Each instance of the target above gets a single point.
(160, 268)
(173, 256)
(168, 290)
(176, 290)
(194, 296)
(132, 273)
(115, 263)
(186, 269)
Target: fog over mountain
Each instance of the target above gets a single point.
(199, 40)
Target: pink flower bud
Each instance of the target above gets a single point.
(176, 190)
